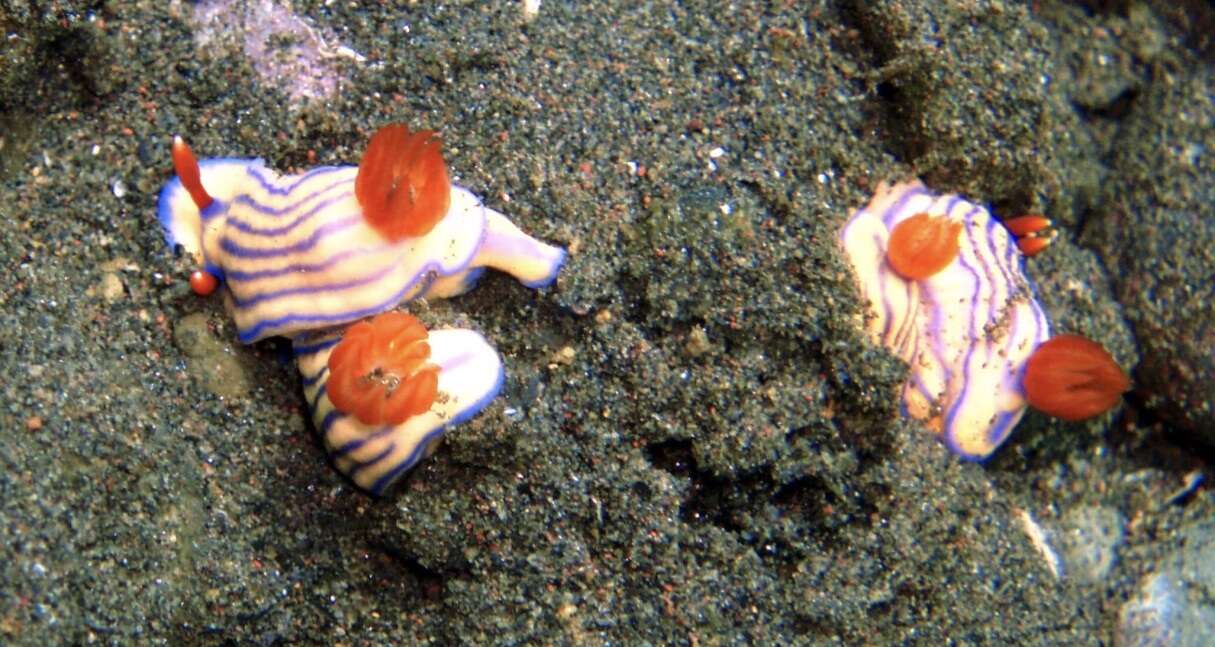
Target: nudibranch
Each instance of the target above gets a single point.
(382, 391)
(327, 256)
(301, 252)
(947, 294)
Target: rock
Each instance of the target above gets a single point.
(1173, 605)
(1156, 228)
(211, 362)
(1088, 539)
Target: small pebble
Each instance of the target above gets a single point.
(1172, 605)
(698, 342)
(111, 287)
(211, 362)
(565, 356)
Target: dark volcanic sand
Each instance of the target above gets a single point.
(696, 444)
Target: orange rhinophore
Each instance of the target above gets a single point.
(1033, 233)
(1073, 378)
(1031, 245)
(186, 166)
(923, 245)
(203, 282)
(379, 372)
(402, 183)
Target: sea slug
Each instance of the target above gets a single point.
(965, 326)
(327, 256)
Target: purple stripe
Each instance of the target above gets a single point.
(470, 279)
(328, 420)
(248, 335)
(974, 298)
(1019, 377)
(314, 347)
(888, 219)
(294, 268)
(1015, 281)
(1032, 296)
(883, 269)
(952, 201)
(1006, 262)
(247, 200)
(920, 386)
(240, 251)
(1003, 427)
(353, 445)
(316, 401)
(1014, 328)
(456, 361)
(431, 269)
(358, 465)
(1016, 276)
(270, 187)
(405, 465)
(891, 211)
(309, 380)
(242, 225)
(462, 415)
(216, 208)
(213, 269)
(910, 317)
(1043, 324)
(936, 343)
(548, 278)
(245, 303)
(1000, 429)
(983, 249)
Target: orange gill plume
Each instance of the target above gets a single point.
(379, 372)
(923, 245)
(402, 183)
(1073, 378)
